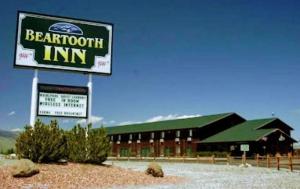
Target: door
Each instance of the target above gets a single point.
(189, 151)
(124, 152)
(145, 152)
(168, 151)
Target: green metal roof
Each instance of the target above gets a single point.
(195, 122)
(246, 131)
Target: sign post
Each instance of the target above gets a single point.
(90, 93)
(244, 149)
(33, 98)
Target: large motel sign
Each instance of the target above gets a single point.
(64, 44)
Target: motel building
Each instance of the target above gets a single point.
(185, 137)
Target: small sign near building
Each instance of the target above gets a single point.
(62, 101)
(244, 147)
(59, 43)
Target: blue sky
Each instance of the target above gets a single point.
(173, 58)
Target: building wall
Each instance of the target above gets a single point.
(155, 148)
(172, 145)
(263, 147)
(150, 143)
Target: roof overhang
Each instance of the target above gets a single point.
(277, 130)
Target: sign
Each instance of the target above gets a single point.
(244, 147)
(59, 43)
(62, 101)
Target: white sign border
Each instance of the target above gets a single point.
(73, 117)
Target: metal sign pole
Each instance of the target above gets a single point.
(90, 88)
(244, 158)
(33, 98)
(89, 113)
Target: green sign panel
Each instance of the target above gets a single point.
(50, 42)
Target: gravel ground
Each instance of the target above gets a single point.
(83, 176)
(130, 175)
(218, 176)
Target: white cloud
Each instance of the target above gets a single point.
(109, 123)
(188, 116)
(11, 113)
(16, 130)
(161, 118)
(112, 122)
(170, 117)
(128, 122)
(94, 119)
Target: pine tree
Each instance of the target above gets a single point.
(76, 140)
(98, 145)
(43, 143)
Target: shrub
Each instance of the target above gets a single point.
(43, 143)
(77, 144)
(8, 151)
(98, 145)
(47, 143)
(92, 147)
(155, 170)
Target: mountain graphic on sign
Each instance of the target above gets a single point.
(63, 27)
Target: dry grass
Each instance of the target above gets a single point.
(80, 176)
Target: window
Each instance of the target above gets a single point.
(152, 135)
(162, 134)
(190, 132)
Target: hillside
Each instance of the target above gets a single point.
(7, 140)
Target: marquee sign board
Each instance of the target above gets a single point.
(62, 101)
(59, 43)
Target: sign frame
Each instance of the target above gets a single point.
(64, 68)
(66, 86)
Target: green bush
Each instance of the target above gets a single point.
(93, 148)
(47, 143)
(98, 146)
(43, 143)
(8, 151)
(77, 144)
